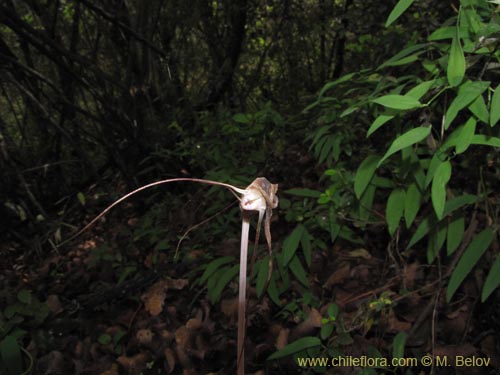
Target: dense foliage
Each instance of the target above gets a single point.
(378, 122)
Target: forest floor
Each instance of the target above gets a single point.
(100, 309)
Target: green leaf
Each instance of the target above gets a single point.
(104, 339)
(492, 280)
(394, 209)
(299, 272)
(213, 266)
(397, 11)
(272, 291)
(305, 243)
(398, 345)
(413, 200)
(407, 139)
(438, 190)
(262, 275)
(296, 346)
(291, 243)
(402, 55)
(379, 122)
(400, 102)
(10, 355)
(307, 193)
(241, 118)
(24, 296)
(81, 198)
(456, 63)
(364, 174)
(423, 228)
(457, 202)
(468, 260)
(485, 140)
(479, 109)
(495, 107)
(455, 234)
(436, 241)
(421, 89)
(465, 137)
(215, 293)
(329, 85)
(467, 93)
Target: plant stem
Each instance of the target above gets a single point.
(245, 226)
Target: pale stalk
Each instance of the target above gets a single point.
(245, 227)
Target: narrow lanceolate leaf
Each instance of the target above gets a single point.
(469, 259)
(407, 139)
(492, 280)
(456, 63)
(465, 138)
(291, 243)
(364, 174)
(296, 346)
(485, 140)
(398, 345)
(495, 107)
(455, 234)
(438, 190)
(413, 199)
(398, 10)
(394, 209)
(467, 93)
(262, 276)
(379, 122)
(400, 102)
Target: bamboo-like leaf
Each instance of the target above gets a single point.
(397, 11)
(468, 260)
(479, 109)
(298, 270)
(400, 102)
(291, 243)
(398, 345)
(495, 107)
(10, 355)
(364, 174)
(467, 93)
(455, 234)
(436, 241)
(423, 228)
(466, 135)
(413, 200)
(296, 346)
(485, 140)
(456, 63)
(262, 275)
(492, 280)
(307, 193)
(394, 209)
(215, 293)
(407, 139)
(438, 190)
(378, 123)
(213, 266)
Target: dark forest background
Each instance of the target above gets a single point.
(376, 119)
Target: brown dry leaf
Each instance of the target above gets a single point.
(452, 351)
(154, 297)
(282, 338)
(229, 307)
(339, 275)
(170, 358)
(177, 284)
(194, 324)
(144, 336)
(113, 370)
(396, 325)
(135, 364)
(54, 304)
(307, 326)
(410, 274)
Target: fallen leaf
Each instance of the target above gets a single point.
(154, 297)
